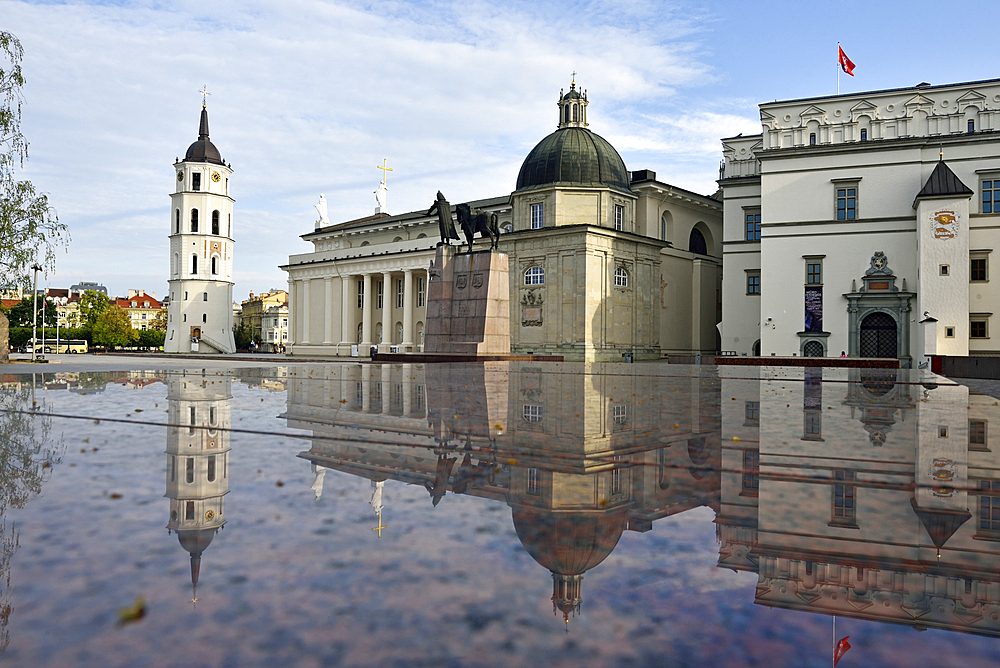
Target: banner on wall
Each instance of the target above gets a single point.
(814, 309)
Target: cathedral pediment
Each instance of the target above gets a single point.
(971, 98)
(812, 111)
(864, 108)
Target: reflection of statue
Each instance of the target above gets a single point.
(473, 221)
(324, 218)
(377, 496)
(380, 197)
(317, 486)
(446, 224)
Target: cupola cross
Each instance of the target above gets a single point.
(384, 168)
(204, 95)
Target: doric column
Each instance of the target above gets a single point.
(407, 344)
(292, 312)
(407, 384)
(388, 299)
(328, 311)
(305, 312)
(386, 383)
(347, 335)
(366, 316)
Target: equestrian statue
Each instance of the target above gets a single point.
(446, 224)
(473, 220)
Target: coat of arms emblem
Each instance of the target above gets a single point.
(944, 224)
(477, 280)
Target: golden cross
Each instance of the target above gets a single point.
(204, 94)
(380, 526)
(574, 78)
(384, 168)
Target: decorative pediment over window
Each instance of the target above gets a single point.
(812, 112)
(864, 108)
(972, 98)
(918, 101)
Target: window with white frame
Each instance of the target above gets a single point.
(621, 277)
(534, 276)
(399, 293)
(846, 201)
(537, 216)
(532, 413)
(379, 294)
(420, 291)
(361, 293)
(619, 217)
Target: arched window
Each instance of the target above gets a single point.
(397, 239)
(574, 113)
(229, 221)
(194, 220)
(177, 221)
(621, 277)
(194, 264)
(215, 222)
(174, 269)
(534, 276)
(365, 243)
(421, 236)
(567, 113)
(215, 265)
(189, 472)
(211, 468)
(696, 243)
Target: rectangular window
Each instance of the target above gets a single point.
(196, 181)
(814, 273)
(189, 510)
(945, 270)
(991, 196)
(977, 269)
(844, 499)
(812, 425)
(753, 226)
(534, 482)
(378, 295)
(537, 216)
(989, 508)
(977, 435)
(211, 468)
(399, 293)
(751, 411)
(847, 203)
(532, 413)
(753, 283)
(617, 486)
(619, 217)
(864, 134)
(751, 471)
(189, 470)
(978, 329)
(361, 293)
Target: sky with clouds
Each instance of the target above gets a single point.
(308, 97)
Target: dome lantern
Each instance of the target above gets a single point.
(572, 108)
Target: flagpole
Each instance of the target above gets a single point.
(838, 93)
(834, 657)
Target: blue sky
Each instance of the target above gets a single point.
(308, 97)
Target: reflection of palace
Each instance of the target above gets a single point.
(580, 452)
(197, 460)
(876, 499)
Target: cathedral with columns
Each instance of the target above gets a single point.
(605, 263)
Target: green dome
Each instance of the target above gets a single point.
(573, 156)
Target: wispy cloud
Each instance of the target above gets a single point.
(309, 96)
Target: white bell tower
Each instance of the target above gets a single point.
(200, 314)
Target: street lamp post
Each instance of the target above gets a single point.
(34, 312)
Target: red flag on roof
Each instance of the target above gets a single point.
(842, 645)
(845, 62)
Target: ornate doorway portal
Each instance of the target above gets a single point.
(878, 336)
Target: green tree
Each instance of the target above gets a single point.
(20, 314)
(242, 336)
(151, 338)
(92, 304)
(159, 323)
(30, 231)
(113, 329)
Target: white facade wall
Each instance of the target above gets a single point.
(906, 132)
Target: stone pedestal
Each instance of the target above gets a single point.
(468, 303)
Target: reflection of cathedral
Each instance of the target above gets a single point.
(197, 460)
(580, 453)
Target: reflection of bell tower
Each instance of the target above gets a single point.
(197, 460)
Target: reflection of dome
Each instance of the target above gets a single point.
(203, 150)
(573, 156)
(568, 544)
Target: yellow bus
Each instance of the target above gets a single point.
(58, 346)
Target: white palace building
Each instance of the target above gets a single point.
(865, 224)
(604, 262)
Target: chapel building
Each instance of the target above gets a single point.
(604, 262)
(864, 224)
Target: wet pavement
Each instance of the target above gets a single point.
(495, 514)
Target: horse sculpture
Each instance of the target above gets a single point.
(473, 221)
